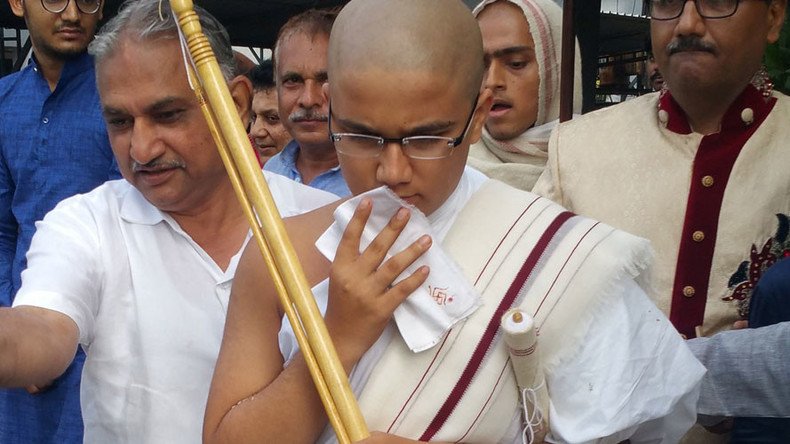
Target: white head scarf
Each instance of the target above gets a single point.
(520, 161)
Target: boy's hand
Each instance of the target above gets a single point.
(361, 295)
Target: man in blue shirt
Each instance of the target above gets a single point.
(53, 144)
(300, 61)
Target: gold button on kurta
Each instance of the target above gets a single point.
(688, 291)
(707, 181)
(698, 236)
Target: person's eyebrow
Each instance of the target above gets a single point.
(321, 76)
(512, 50)
(291, 76)
(426, 129)
(164, 103)
(157, 106)
(109, 111)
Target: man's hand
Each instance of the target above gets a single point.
(361, 295)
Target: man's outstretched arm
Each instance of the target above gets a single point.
(36, 345)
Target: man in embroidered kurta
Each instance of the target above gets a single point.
(522, 46)
(138, 271)
(615, 367)
(300, 71)
(698, 169)
(53, 145)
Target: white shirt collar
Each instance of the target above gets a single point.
(136, 209)
(443, 218)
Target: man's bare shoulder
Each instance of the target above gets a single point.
(252, 275)
(304, 229)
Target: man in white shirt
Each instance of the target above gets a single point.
(423, 240)
(138, 271)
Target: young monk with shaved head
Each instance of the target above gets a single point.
(428, 256)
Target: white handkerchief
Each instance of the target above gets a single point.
(445, 298)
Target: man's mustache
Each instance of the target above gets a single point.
(301, 115)
(690, 43)
(76, 27)
(156, 165)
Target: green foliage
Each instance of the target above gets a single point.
(777, 60)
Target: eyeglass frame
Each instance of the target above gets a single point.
(696, 5)
(66, 5)
(452, 143)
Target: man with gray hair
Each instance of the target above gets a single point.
(138, 271)
(300, 60)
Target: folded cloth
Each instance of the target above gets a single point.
(445, 298)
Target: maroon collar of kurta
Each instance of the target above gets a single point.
(749, 108)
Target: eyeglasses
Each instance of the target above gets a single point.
(414, 147)
(58, 6)
(709, 9)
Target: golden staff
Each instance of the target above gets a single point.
(281, 260)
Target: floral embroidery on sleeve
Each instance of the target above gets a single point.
(742, 282)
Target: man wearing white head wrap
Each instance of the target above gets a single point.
(522, 44)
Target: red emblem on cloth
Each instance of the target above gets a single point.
(743, 281)
(440, 295)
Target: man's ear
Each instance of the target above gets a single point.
(100, 12)
(484, 101)
(241, 91)
(325, 90)
(777, 10)
(17, 7)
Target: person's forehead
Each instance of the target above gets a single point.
(301, 48)
(504, 25)
(383, 100)
(265, 98)
(143, 74)
(368, 80)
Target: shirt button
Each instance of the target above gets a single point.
(698, 236)
(663, 117)
(45, 120)
(688, 291)
(747, 116)
(707, 181)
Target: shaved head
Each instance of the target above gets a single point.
(440, 37)
(407, 68)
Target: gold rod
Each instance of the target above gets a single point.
(285, 261)
(323, 390)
